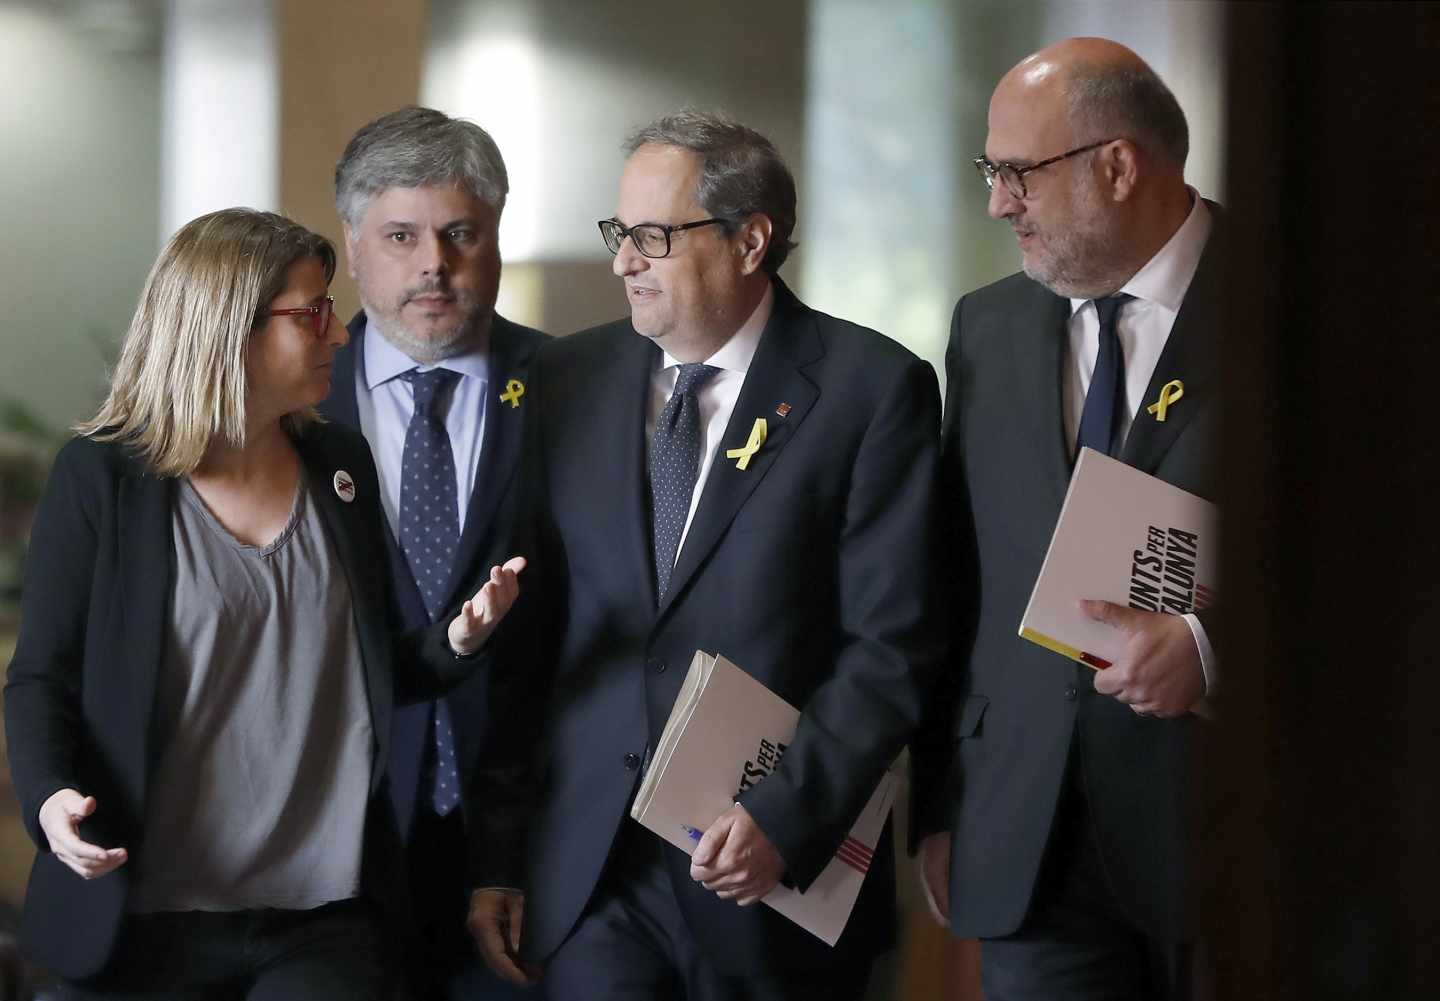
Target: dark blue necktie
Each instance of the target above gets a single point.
(1105, 400)
(429, 533)
(674, 466)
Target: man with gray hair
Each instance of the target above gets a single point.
(731, 471)
(435, 380)
(1055, 804)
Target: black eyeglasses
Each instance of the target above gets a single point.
(319, 315)
(1013, 176)
(650, 238)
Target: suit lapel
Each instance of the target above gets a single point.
(1039, 344)
(789, 342)
(634, 367)
(1190, 355)
(499, 454)
(147, 554)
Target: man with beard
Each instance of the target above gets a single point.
(434, 378)
(1054, 804)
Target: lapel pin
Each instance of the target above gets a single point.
(514, 389)
(783, 410)
(344, 486)
(742, 454)
(1169, 393)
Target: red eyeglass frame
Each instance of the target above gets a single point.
(320, 313)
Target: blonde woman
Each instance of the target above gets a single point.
(200, 697)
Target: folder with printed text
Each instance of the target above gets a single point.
(727, 732)
(1122, 536)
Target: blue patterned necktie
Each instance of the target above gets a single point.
(674, 466)
(1105, 400)
(429, 533)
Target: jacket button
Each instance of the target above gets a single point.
(1071, 693)
(660, 666)
(632, 761)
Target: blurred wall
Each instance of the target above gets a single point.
(80, 159)
(219, 126)
(560, 83)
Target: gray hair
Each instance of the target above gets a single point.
(741, 172)
(414, 147)
(1113, 102)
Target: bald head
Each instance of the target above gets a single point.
(1099, 89)
(1087, 148)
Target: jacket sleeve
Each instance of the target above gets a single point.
(42, 691)
(933, 749)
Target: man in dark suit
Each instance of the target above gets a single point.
(1055, 801)
(430, 366)
(808, 561)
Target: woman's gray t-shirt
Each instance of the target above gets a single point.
(262, 721)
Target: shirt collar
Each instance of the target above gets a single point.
(736, 354)
(1165, 277)
(384, 361)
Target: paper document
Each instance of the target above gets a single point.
(727, 732)
(1123, 536)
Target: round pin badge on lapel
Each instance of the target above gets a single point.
(344, 486)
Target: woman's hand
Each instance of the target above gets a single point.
(481, 614)
(60, 817)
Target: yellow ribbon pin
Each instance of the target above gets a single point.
(1169, 393)
(514, 389)
(757, 438)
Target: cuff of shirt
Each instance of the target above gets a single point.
(1208, 665)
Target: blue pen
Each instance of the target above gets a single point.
(691, 832)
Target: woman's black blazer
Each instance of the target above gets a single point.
(81, 686)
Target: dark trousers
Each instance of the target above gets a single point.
(445, 964)
(633, 944)
(1076, 944)
(333, 953)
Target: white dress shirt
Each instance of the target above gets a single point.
(386, 403)
(1143, 326)
(717, 396)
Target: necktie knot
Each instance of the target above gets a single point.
(429, 387)
(693, 376)
(1108, 308)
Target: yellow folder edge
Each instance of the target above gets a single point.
(1201, 708)
(1064, 649)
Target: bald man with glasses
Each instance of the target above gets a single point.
(1055, 804)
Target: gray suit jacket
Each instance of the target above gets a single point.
(990, 761)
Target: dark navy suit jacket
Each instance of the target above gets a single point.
(991, 761)
(483, 542)
(813, 569)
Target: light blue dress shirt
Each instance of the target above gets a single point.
(386, 402)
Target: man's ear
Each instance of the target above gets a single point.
(1120, 162)
(752, 241)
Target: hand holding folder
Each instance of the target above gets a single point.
(1158, 674)
(735, 859)
(1129, 556)
(726, 731)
